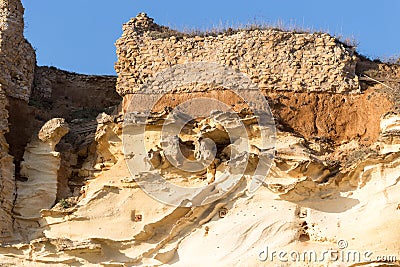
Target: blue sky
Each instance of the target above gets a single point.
(79, 35)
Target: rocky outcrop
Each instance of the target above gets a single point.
(30, 96)
(324, 157)
(7, 183)
(390, 133)
(40, 169)
(17, 62)
(315, 195)
(273, 59)
(71, 95)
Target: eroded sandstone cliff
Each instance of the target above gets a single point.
(17, 62)
(334, 162)
(31, 96)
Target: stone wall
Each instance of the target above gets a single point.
(7, 183)
(273, 59)
(17, 62)
(17, 57)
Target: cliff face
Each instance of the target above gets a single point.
(17, 62)
(323, 155)
(61, 91)
(18, 58)
(29, 97)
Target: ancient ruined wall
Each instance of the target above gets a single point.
(17, 57)
(273, 59)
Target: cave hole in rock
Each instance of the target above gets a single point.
(190, 144)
